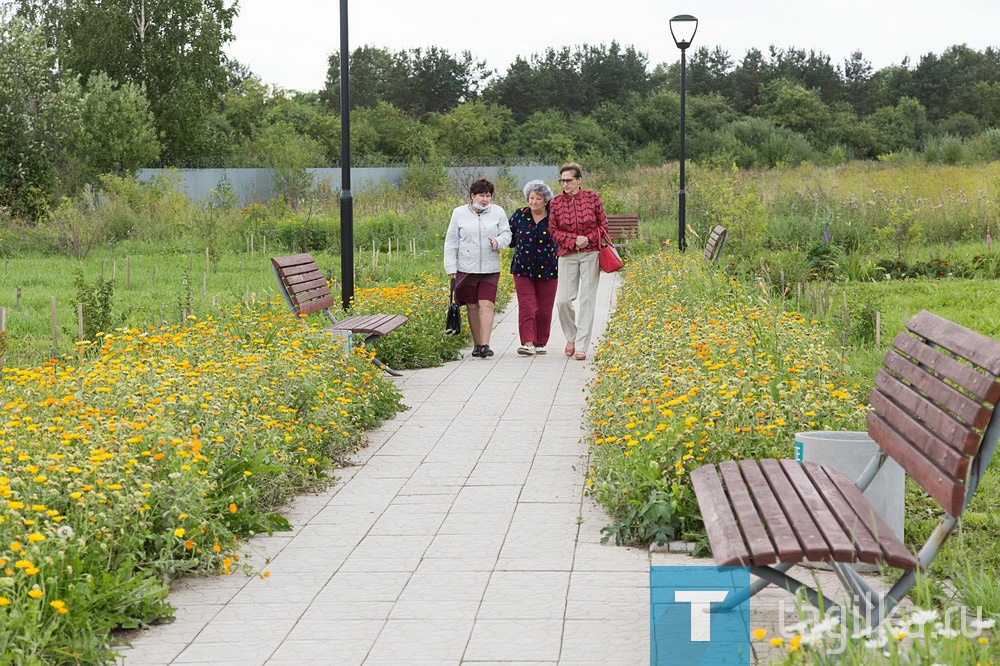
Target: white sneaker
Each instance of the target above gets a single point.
(539, 349)
(526, 350)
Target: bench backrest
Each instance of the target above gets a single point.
(302, 283)
(623, 226)
(713, 246)
(933, 407)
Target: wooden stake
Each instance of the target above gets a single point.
(878, 328)
(55, 325)
(79, 322)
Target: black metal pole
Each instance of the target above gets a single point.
(346, 198)
(681, 195)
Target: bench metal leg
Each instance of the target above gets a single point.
(784, 581)
(395, 373)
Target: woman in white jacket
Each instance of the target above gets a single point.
(477, 232)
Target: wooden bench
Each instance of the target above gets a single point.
(933, 411)
(713, 246)
(623, 227)
(305, 290)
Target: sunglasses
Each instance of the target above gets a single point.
(566, 180)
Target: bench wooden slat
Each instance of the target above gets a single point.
(713, 246)
(808, 533)
(888, 546)
(623, 227)
(946, 367)
(944, 487)
(720, 523)
(784, 537)
(758, 542)
(982, 350)
(923, 439)
(953, 403)
(865, 546)
(839, 542)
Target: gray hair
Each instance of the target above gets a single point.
(540, 188)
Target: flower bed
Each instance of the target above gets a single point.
(150, 455)
(695, 369)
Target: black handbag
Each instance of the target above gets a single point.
(453, 323)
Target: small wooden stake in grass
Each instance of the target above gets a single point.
(207, 265)
(55, 325)
(878, 328)
(79, 322)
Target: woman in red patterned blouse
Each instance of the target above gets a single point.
(576, 218)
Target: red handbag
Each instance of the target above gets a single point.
(608, 256)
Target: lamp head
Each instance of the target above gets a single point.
(682, 29)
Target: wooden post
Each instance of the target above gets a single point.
(114, 270)
(79, 322)
(3, 319)
(878, 328)
(55, 325)
(251, 246)
(207, 264)
(264, 246)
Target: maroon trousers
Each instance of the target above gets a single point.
(534, 309)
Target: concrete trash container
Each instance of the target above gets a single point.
(850, 452)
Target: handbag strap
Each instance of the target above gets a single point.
(605, 237)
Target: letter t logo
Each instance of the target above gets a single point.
(700, 600)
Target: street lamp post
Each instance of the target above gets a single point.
(346, 198)
(682, 29)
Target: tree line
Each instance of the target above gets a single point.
(89, 87)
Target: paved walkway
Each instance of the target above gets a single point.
(461, 537)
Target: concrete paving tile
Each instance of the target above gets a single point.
(346, 609)
(433, 609)
(151, 655)
(229, 653)
(445, 586)
(473, 525)
(448, 546)
(263, 628)
(407, 520)
(525, 595)
(415, 641)
(355, 587)
(431, 412)
(607, 641)
(513, 640)
(499, 474)
(348, 651)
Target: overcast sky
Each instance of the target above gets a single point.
(287, 42)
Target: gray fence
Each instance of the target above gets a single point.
(257, 185)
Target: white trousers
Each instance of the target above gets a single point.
(576, 297)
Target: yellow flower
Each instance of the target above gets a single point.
(59, 605)
(233, 508)
(777, 641)
(35, 594)
(179, 532)
(758, 634)
(4, 601)
(36, 537)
